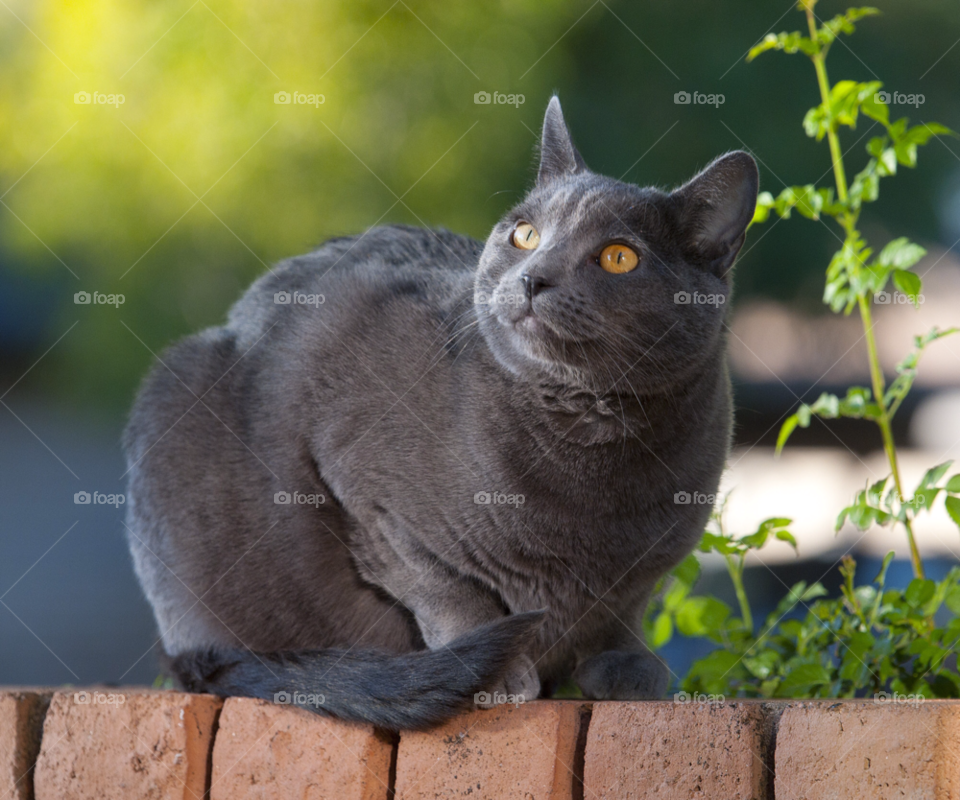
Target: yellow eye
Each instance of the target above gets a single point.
(618, 258)
(525, 236)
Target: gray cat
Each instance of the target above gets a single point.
(413, 467)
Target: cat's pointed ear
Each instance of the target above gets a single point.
(558, 156)
(716, 208)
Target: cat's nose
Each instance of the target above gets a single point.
(533, 284)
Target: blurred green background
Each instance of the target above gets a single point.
(184, 193)
(181, 195)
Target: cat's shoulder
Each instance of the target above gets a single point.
(380, 262)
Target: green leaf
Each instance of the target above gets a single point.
(688, 570)
(786, 536)
(952, 599)
(788, 42)
(953, 485)
(698, 616)
(919, 591)
(924, 498)
(842, 23)
(932, 476)
(762, 210)
(789, 424)
(908, 283)
(662, 631)
(901, 254)
(675, 595)
(808, 201)
(813, 591)
(715, 665)
(717, 544)
(815, 122)
(921, 134)
(876, 109)
(801, 679)
(762, 665)
(953, 509)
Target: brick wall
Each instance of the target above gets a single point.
(110, 743)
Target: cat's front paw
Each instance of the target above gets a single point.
(519, 684)
(616, 675)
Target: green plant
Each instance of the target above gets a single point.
(871, 638)
(854, 275)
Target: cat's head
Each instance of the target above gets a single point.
(608, 286)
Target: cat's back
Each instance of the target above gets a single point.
(349, 275)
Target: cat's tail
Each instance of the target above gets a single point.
(407, 691)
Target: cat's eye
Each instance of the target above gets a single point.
(525, 236)
(618, 258)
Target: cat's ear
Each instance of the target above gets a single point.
(558, 156)
(716, 208)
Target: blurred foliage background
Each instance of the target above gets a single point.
(181, 195)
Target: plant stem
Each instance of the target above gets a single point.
(848, 222)
(736, 575)
(819, 64)
(889, 447)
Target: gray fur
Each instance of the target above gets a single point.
(428, 375)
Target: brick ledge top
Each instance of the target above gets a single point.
(124, 742)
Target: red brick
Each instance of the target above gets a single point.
(272, 751)
(21, 721)
(670, 750)
(152, 745)
(504, 752)
(866, 749)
